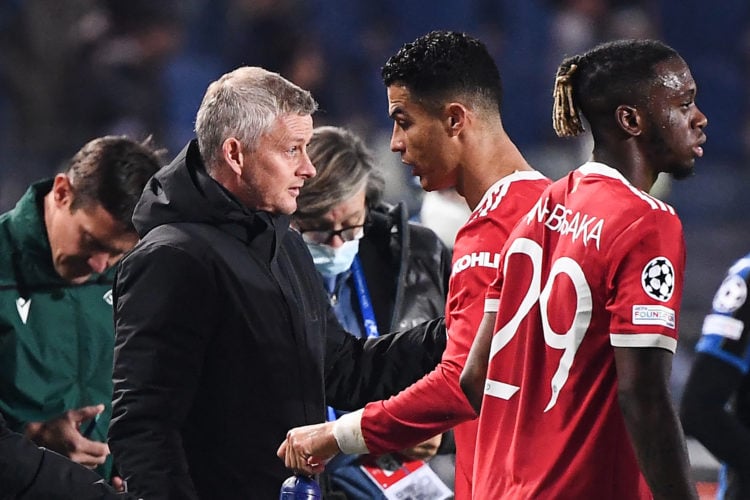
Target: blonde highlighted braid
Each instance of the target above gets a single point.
(566, 117)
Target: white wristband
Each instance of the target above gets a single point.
(348, 433)
(491, 305)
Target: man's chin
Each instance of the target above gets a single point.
(425, 184)
(74, 277)
(289, 208)
(80, 280)
(679, 174)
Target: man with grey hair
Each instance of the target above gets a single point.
(224, 335)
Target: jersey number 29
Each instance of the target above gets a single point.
(569, 341)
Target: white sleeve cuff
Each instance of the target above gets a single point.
(348, 433)
(491, 305)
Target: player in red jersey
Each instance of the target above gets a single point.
(581, 322)
(444, 96)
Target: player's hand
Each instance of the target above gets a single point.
(425, 450)
(62, 435)
(307, 449)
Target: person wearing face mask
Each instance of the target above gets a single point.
(381, 272)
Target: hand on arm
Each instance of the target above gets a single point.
(475, 372)
(655, 431)
(63, 435)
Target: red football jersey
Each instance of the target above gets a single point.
(436, 403)
(596, 264)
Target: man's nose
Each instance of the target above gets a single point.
(335, 241)
(397, 142)
(98, 262)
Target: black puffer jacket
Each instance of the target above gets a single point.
(225, 340)
(407, 269)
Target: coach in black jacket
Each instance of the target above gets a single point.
(225, 338)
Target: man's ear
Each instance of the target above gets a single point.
(629, 119)
(233, 155)
(456, 116)
(62, 191)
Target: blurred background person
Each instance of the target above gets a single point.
(444, 211)
(715, 405)
(117, 83)
(381, 272)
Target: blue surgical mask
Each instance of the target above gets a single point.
(331, 261)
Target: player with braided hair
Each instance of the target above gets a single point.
(572, 359)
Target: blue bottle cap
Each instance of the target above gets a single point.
(300, 488)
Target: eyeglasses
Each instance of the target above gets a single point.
(320, 236)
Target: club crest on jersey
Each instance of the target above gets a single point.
(657, 279)
(731, 294)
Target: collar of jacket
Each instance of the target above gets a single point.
(184, 192)
(28, 247)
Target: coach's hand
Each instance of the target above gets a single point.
(307, 449)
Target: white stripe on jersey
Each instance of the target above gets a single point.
(495, 194)
(643, 340)
(593, 167)
(726, 326)
(500, 389)
(655, 203)
(738, 266)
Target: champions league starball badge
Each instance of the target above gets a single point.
(731, 294)
(658, 279)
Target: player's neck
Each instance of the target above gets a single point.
(629, 165)
(489, 162)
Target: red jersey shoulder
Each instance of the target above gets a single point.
(508, 196)
(597, 208)
(479, 241)
(615, 195)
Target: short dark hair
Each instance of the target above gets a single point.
(610, 74)
(112, 171)
(441, 65)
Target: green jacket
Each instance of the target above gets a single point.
(56, 338)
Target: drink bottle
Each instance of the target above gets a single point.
(300, 487)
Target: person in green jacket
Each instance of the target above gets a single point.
(58, 247)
